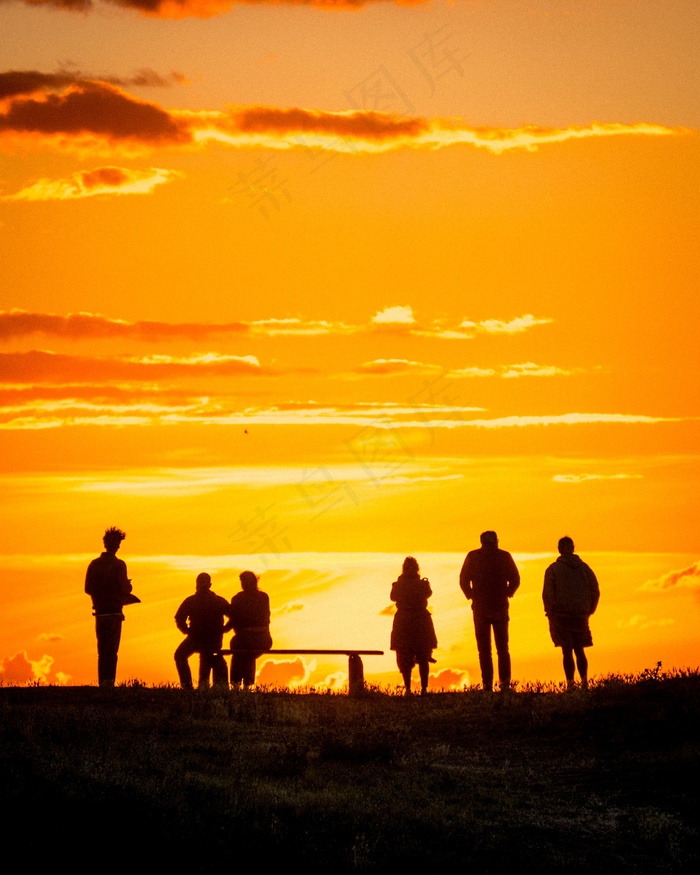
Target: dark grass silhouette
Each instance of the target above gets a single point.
(271, 781)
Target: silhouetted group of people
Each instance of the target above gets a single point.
(489, 579)
(202, 617)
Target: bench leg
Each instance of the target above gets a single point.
(356, 675)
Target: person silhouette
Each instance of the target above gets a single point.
(570, 595)
(201, 618)
(489, 577)
(109, 587)
(412, 632)
(250, 621)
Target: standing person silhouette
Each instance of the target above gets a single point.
(201, 618)
(107, 583)
(412, 633)
(489, 577)
(570, 595)
(250, 621)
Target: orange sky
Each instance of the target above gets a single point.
(307, 290)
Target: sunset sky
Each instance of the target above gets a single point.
(308, 287)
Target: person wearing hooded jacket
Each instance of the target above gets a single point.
(570, 595)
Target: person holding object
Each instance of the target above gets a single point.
(412, 633)
(570, 595)
(201, 618)
(489, 578)
(250, 621)
(107, 583)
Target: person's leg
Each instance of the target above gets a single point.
(582, 665)
(405, 663)
(236, 669)
(249, 670)
(568, 659)
(500, 635)
(482, 632)
(205, 666)
(109, 632)
(219, 671)
(182, 654)
(424, 671)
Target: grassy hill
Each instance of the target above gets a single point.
(271, 781)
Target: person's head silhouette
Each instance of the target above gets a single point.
(203, 581)
(566, 546)
(249, 580)
(489, 539)
(410, 565)
(112, 539)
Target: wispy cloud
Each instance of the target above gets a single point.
(52, 367)
(226, 411)
(498, 326)
(102, 181)
(209, 8)
(289, 608)
(568, 419)
(66, 111)
(394, 367)
(183, 482)
(640, 622)
(18, 323)
(687, 577)
(585, 478)
(530, 369)
(364, 131)
(14, 83)
(401, 367)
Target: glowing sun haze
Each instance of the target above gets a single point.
(308, 287)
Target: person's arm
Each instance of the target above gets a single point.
(226, 611)
(181, 618)
(513, 577)
(465, 579)
(594, 588)
(548, 590)
(89, 580)
(125, 586)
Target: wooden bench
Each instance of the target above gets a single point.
(356, 671)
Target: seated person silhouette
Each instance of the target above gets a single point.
(250, 620)
(201, 618)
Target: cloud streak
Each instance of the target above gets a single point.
(14, 83)
(15, 324)
(226, 411)
(585, 478)
(51, 367)
(210, 8)
(102, 181)
(687, 577)
(73, 112)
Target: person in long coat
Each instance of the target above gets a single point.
(570, 595)
(250, 621)
(412, 634)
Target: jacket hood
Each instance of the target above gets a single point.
(572, 560)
